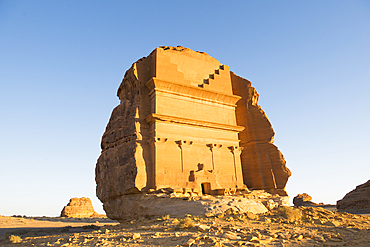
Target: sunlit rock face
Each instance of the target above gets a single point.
(186, 122)
(356, 201)
(78, 208)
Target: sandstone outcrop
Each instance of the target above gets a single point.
(186, 122)
(151, 206)
(356, 201)
(167, 201)
(263, 165)
(304, 200)
(78, 208)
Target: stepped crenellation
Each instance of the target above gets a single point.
(212, 76)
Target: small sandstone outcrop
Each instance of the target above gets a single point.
(78, 208)
(356, 201)
(303, 200)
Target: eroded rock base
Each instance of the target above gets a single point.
(164, 202)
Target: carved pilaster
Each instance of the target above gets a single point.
(157, 145)
(236, 151)
(215, 149)
(185, 146)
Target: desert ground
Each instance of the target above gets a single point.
(285, 226)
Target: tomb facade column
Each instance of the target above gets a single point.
(158, 146)
(216, 155)
(236, 151)
(186, 157)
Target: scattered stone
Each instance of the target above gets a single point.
(189, 242)
(203, 228)
(231, 236)
(251, 216)
(271, 204)
(299, 237)
(254, 239)
(218, 244)
(136, 236)
(353, 231)
(335, 239)
(332, 223)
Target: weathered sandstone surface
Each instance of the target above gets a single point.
(304, 200)
(78, 208)
(356, 201)
(264, 166)
(188, 123)
(167, 202)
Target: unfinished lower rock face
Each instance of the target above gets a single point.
(78, 208)
(263, 164)
(134, 207)
(168, 202)
(356, 201)
(186, 122)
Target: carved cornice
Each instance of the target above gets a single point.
(155, 84)
(165, 118)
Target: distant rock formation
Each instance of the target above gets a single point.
(356, 201)
(304, 200)
(78, 208)
(186, 122)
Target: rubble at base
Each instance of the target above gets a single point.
(178, 203)
(284, 226)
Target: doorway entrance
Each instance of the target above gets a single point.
(206, 188)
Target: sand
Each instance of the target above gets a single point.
(287, 227)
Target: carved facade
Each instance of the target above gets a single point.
(185, 121)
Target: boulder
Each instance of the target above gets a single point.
(303, 200)
(356, 201)
(78, 208)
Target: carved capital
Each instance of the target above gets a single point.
(214, 146)
(235, 149)
(184, 143)
(157, 141)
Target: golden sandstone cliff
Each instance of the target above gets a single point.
(357, 200)
(188, 123)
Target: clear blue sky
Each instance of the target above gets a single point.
(61, 63)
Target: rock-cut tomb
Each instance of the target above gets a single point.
(186, 122)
